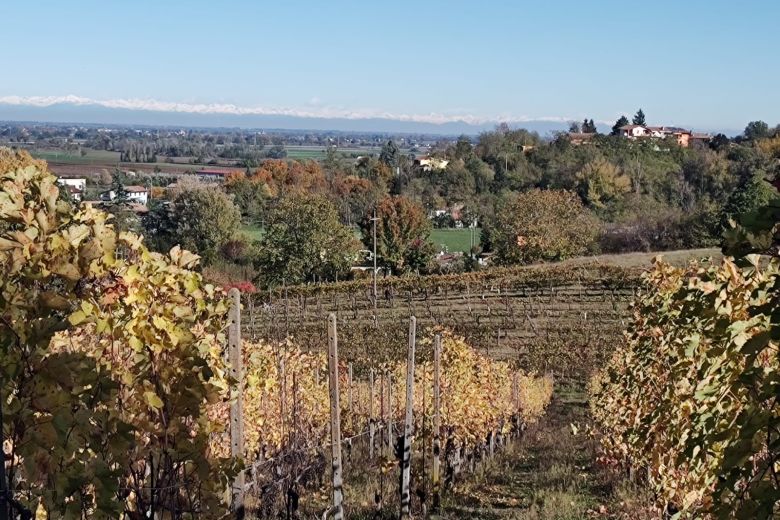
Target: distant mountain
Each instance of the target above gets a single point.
(94, 114)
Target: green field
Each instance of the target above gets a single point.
(450, 239)
(92, 156)
(454, 239)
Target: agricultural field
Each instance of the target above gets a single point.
(455, 240)
(92, 157)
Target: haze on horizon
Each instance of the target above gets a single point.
(709, 66)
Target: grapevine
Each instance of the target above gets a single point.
(692, 394)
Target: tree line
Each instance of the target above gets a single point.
(533, 199)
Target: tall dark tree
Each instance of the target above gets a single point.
(589, 127)
(574, 127)
(389, 154)
(639, 118)
(719, 143)
(623, 121)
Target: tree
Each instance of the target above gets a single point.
(250, 195)
(304, 240)
(622, 121)
(402, 230)
(601, 182)
(283, 177)
(389, 154)
(589, 127)
(639, 118)
(120, 207)
(754, 211)
(205, 218)
(756, 130)
(542, 225)
(574, 127)
(720, 142)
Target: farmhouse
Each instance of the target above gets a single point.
(429, 164)
(75, 186)
(633, 131)
(136, 194)
(212, 174)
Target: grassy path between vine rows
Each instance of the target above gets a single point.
(549, 474)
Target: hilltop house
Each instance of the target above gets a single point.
(681, 135)
(633, 131)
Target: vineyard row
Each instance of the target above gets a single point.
(419, 423)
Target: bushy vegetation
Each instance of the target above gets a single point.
(542, 225)
(98, 336)
(692, 395)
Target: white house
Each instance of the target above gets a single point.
(429, 164)
(633, 131)
(139, 194)
(76, 187)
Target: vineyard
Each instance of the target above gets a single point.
(690, 401)
(124, 392)
(549, 318)
(436, 415)
(131, 388)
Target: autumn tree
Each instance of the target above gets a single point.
(403, 231)
(542, 225)
(283, 177)
(600, 182)
(250, 195)
(304, 240)
(355, 197)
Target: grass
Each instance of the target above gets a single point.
(548, 474)
(454, 239)
(551, 474)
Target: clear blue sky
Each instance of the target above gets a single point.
(707, 64)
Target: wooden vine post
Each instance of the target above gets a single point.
(390, 415)
(350, 400)
(335, 420)
(371, 422)
(406, 444)
(236, 405)
(436, 422)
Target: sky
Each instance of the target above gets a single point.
(705, 64)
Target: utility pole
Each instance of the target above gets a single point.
(373, 221)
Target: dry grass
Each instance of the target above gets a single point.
(632, 260)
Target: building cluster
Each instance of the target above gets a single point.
(137, 196)
(683, 137)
